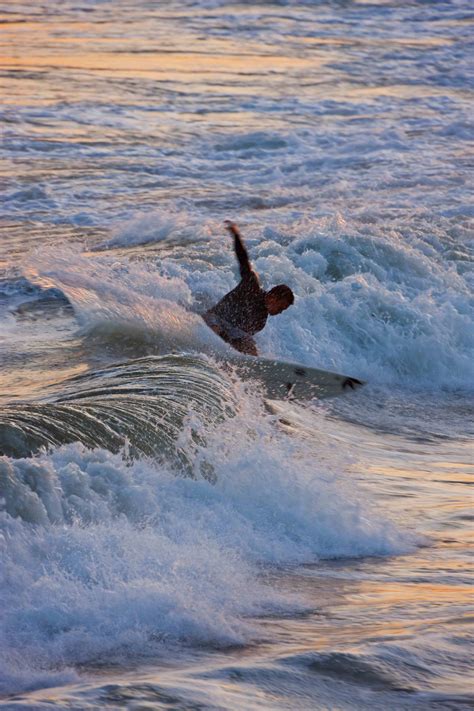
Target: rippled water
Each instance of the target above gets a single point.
(168, 538)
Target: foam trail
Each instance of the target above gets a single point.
(127, 302)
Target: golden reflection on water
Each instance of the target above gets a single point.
(34, 45)
(351, 611)
(26, 384)
(173, 64)
(434, 471)
(201, 64)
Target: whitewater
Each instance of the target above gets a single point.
(168, 537)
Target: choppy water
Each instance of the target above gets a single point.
(167, 541)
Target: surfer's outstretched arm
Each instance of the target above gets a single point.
(240, 250)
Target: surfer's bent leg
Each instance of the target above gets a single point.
(213, 324)
(244, 345)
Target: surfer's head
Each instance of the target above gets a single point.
(278, 299)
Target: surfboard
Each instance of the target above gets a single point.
(282, 381)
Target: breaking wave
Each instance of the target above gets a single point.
(104, 557)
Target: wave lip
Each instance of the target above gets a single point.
(144, 406)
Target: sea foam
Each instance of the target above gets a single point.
(106, 559)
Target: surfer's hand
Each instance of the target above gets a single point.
(232, 228)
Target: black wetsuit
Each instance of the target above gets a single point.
(242, 312)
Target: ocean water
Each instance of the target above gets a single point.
(167, 539)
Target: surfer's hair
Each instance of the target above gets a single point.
(282, 292)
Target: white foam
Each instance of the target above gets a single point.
(104, 560)
(126, 301)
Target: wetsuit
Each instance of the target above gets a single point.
(242, 312)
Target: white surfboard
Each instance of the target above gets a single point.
(283, 380)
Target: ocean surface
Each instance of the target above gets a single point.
(169, 539)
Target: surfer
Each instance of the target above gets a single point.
(244, 311)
